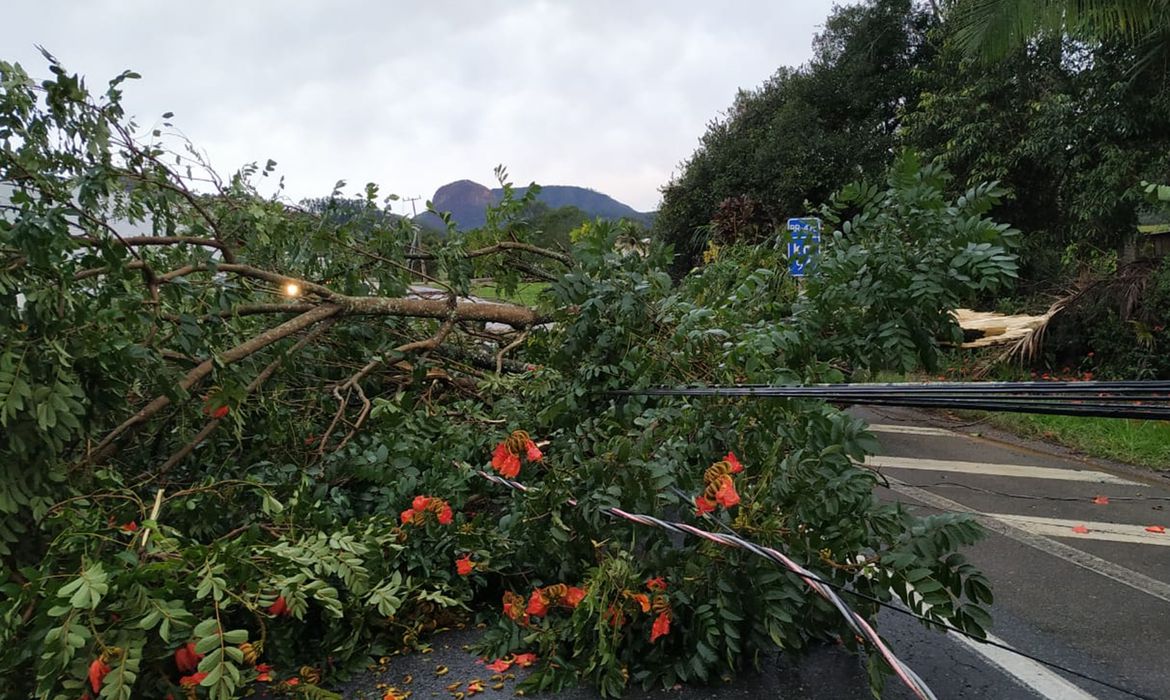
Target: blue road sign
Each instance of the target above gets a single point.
(805, 239)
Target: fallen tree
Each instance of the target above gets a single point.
(238, 448)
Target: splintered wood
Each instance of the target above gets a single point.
(997, 329)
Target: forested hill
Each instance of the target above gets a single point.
(466, 200)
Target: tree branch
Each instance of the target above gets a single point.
(501, 246)
(107, 446)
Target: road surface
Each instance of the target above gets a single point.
(1082, 584)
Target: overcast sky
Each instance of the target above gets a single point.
(605, 94)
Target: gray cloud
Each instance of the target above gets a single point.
(604, 94)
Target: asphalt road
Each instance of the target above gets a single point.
(1077, 583)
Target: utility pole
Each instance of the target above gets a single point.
(416, 243)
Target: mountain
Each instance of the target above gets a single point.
(466, 201)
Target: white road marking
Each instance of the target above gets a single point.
(1015, 470)
(1058, 527)
(1104, 567)
(1039, 679)
(910, 430)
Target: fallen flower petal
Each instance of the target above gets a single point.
(499, 665)
(1100, 500)
(1156, 529)
(1080, 529)
(524, 660)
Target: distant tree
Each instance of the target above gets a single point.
(805, 132)
(1061, 127)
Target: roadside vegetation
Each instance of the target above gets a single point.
(1144, 443)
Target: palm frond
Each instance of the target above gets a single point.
(990, 29)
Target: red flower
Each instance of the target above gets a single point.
(524, 660)
(130, 527)
(407, 516)
(731, 459)
(293, 681)
(726, 495)
(514, 608)
(499, 666)
(537, 604)
(464, 566)
(661, 627)
(97, 673)
(533, 452)
(615, 616)
(643, 601)
(656, 584)
(192, 680)
(702, 505)
(279, 608)
(186, 658)
(215, 413)
(420, 503)
(264, 672)
(446, 515)
(504, 462)
(310, 440)
(574, 596)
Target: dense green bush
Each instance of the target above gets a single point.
(237, 450)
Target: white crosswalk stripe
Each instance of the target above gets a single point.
(979, 468)
(910, 430)
(1058, 527)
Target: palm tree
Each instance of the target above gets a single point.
(990, 29)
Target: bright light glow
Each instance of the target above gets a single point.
(292, 289)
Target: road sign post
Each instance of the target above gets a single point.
(805, 238)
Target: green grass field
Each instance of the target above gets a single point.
(526, 292)
(1144, 443)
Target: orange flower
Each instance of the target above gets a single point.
(731, 459)
(407, 516)
(642, 600)
(505, 462)
(726, 495)
(279, 608)
(130, 527)
(514, 607)
(524, 660)
(192, 680)
(464, 565)
(661, 627)
(97, 673)
(537, 604)
(656, 584)
(420, 503)
(293, 681)
(533, 452)
(615, 616)
(446, 515)
(186, 658)
(702, 505)
(574, 597)
(264, 672)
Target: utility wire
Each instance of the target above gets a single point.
(823, 587)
